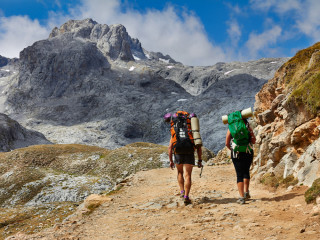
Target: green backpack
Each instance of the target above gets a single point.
(239, 132)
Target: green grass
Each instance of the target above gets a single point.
(313, 192)
(303, 80)
(307, 93)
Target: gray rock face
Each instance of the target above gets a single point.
(13, 135)
(94, 84)
(3, 61)
(197, 79)
(113, 41)
(8, 66)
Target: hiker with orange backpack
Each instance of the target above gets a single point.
(182, 146)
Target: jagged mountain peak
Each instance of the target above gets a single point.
(113, 41)
(73, 26)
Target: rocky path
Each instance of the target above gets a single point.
(148, 207)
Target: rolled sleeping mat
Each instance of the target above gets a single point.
(225, 119)
(197, 138)
(246, 113)
(195, 124)
(195, 127)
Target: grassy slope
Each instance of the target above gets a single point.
(27, 165)
(303, 77)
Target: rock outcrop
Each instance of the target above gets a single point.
(287, 112)
(49, 174)
(13, 135)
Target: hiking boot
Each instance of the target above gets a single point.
(187, 200)
(241, 200)
(247, 195)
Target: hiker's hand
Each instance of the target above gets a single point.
(200, 164)
(172, 165)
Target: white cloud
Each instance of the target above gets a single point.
(309, 19)
(234, 32)
(263, 42)
(18, 32)
(304, 13)
(281, 7)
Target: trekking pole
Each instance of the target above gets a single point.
(201, 171)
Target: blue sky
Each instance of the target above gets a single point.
(197, 32)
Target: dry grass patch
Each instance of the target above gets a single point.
(302, 77)
(270, 180)
(313, 192)
(32, 219)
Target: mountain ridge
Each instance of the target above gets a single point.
(85, 84)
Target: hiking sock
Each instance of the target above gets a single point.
(182, 193)
(186, 200)
(247, 195)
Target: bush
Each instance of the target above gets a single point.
(312, 193)
(271, 180)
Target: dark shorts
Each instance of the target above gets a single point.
(184, 159)
(242, 165)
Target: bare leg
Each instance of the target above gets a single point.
(246, 184)
(241, 188)
(180, 176)
(188, 171)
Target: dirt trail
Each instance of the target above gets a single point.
(148, 207)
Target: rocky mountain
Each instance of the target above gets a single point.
(287, 112)
(93, 84)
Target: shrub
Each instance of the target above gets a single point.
(313, 192)
(304, 81)
(271, 180)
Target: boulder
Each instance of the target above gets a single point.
(306, 168)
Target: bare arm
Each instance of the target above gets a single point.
(253, 138)
(199, 152)
(228, 139)
(170, 154)
(170, 151)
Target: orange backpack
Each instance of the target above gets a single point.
(181, 133)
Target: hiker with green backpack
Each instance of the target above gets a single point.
(240, 140)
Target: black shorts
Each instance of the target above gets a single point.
(184, 159)
(242, 165)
